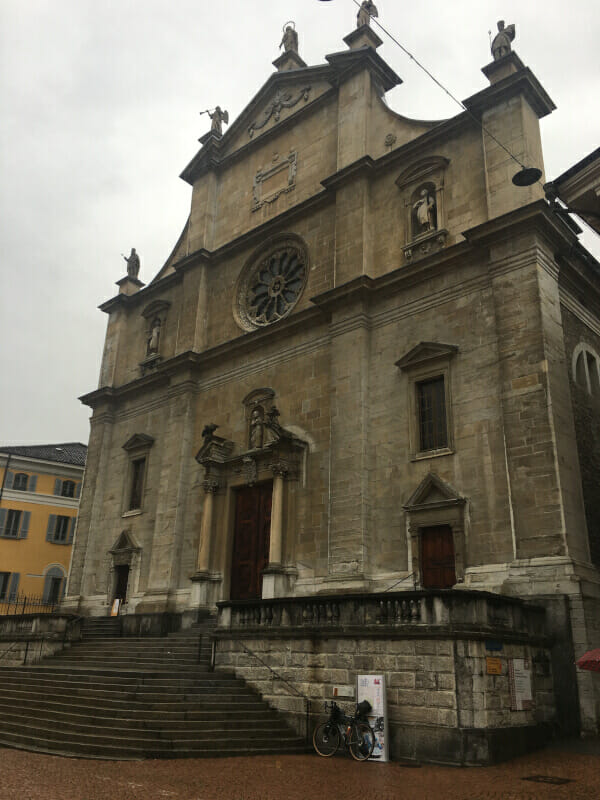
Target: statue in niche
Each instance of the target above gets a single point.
(256, 435)
(218, 117)
(154, 337)
(275, 429)
(424, 213)
(365, 12)
(289, 42)
(133, 264)
(501, 42)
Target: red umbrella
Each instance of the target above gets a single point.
(590, 660)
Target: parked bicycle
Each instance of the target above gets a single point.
(355, 732)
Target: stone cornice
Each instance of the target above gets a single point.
(197, 362)
(523, 82)
(349, 62)
(141, 297)
(363, 167)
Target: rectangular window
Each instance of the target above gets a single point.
(431, 405)
(138, 468)
(61, 529)
(4, 579)
(68, 489)
(13, 523)
(20, 482)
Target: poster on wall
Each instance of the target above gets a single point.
(372, 689)
(519, 673)
(114, 611)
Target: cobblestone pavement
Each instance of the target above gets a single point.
(33, 776)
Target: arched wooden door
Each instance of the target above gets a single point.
(250, 540)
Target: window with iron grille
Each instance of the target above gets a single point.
(431, 404)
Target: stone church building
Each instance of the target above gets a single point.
(357, 410)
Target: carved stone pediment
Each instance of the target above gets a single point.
(156, 307)
(215, 449)
(139, 441)
(420, 170)
(425, 352)
(125, 543)
(433, 492)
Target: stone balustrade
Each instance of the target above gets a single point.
(456, 610)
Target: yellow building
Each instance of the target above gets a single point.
(40, 487)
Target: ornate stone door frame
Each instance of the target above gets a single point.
(436, 503)
(279, 461)
(124, 552)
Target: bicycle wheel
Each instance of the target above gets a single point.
(326, 739)
(362, 741)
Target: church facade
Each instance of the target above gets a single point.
(359, 373)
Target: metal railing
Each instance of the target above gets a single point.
(24, 604)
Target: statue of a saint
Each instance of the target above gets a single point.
(365, 12)
(501, 42)
(154, 338)
(218, 117)
(424, 213)
(256, 429)
(133, 264)
(289, 40)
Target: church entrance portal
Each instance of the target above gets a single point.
(122, 579)
(437, 557)
(250, 540)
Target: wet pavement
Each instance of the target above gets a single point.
(33, 776)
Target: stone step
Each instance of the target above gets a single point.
(74, 681)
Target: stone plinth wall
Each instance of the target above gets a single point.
(27, 638)
(442, 704)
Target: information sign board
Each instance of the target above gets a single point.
(519, 672)
(372, 689)
(493, 665)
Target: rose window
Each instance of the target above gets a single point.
(271, 286)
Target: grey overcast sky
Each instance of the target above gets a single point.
(100, 102)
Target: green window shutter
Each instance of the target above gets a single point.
(71, 530)
(51, 528)
(2, 520)
(14, 585)
(24, 524)
(32, 483)
(8, 483)
(78, 489)
(47, 585)
(57, 486)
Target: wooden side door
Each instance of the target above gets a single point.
(437, 557)
(250, 540)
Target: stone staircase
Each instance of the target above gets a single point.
(123, 698)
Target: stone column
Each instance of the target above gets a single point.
(201, 579)
(203, 561)
(274, 584)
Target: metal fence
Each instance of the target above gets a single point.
(23, 604)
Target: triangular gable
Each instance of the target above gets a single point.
(426, 351)
(433, 491)
(125, 541)
(138, 441)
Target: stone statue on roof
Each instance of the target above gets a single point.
(218, 117)
(501, 42)
(365, 12)
(133, 264)
(290, 38)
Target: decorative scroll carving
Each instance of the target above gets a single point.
(269, 184)
(283, 99)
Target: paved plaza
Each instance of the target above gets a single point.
(32, 776)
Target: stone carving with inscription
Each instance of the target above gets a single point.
(283, 99)
(424, 213)
(289, 42)
(365, 12)
(501, 44)
(133, 264)
(154, 337)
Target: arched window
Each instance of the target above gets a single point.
(586, 369)
(54, 585)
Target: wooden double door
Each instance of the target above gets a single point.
(437, 557)
(250, 540)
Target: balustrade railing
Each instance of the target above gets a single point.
(462, 608)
